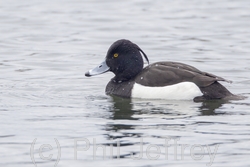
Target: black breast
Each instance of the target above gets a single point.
(122, 89)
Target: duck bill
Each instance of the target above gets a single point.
(102, 68)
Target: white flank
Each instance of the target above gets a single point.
(180, 91)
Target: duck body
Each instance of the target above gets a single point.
(160, 80)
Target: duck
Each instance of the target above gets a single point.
(161, 80)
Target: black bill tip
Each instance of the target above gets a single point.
(87, 74)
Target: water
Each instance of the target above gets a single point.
(47, 46)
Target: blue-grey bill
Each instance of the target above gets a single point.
(102, 68)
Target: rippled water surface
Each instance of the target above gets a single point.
(45, 99)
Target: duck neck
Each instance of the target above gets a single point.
(123, 78)
(127, 74)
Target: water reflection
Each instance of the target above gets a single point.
(127, 112)
(209, 107)
(122, 108)
(133, 118)
(131, 109)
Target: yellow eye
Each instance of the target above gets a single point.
(116, 55)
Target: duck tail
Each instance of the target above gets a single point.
(216, 91)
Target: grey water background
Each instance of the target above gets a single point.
(47, 46)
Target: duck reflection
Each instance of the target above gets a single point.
(134, 109)
(126, 114)
(122, 108)
(137, 109)
(209, 107)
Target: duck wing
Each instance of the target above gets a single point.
(169, 73)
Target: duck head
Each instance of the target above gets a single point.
(124, 59)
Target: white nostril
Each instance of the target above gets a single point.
(100, 66)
